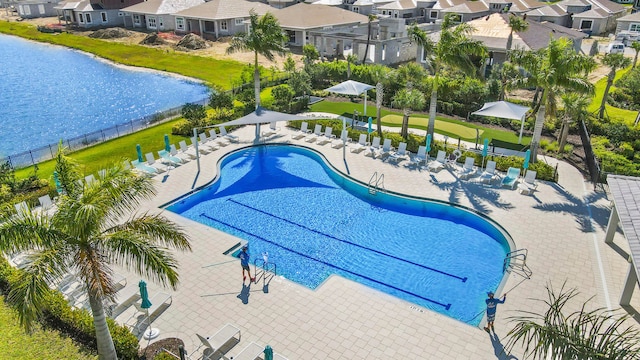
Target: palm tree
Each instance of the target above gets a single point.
(553, 69)
(516, 24)
(635, 46)
(575, 106)
(555, 334)
(351, 59)
(407, 100)
(614, 62)
(265, 37)
(90, 231)
(455, 49)
(372, 17)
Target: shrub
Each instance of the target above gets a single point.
(625, 149)
(221, 99)
(74, 323)
(182, 127)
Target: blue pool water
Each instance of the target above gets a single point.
(312, 222)
(50, 92)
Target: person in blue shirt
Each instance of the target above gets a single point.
(244, 262)
(492, 305)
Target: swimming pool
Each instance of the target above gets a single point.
(313, 222)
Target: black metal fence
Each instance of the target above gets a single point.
(592, 162)
(47, 152)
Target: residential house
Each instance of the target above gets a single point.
(94, 13)
(590, 16)
(628, 29)
(400, 9)
(29, 9)
(470, 10)
(551, 13)
(157, 15)
(218, 18)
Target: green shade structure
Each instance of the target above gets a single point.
(268, 353)
(139, 151)
(167, 145)
(144, 295)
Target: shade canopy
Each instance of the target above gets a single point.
(262, 116)
(502, 109)
(350, 87)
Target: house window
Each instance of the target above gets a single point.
(223, 25)
(423, 12)
(239, 22)
(384, 12)
(433, 15)
(292, 36)
(104, 17)
(180, 23)
(457, 18)
(88, 18)
(151, 23)
(81, 18)
(496, 6)
(356, 9)
(395, 14)
(41, 9)
(136, 20)
(586, 24)
(634, 27)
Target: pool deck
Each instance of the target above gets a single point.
(561, 225)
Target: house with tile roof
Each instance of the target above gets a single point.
(94, 13)
(218, 18)
(628, 28)
(590, 16)
(157, 15)
(551, 13)
(470, 10)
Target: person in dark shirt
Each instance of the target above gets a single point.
(492, 305)
(244, 262)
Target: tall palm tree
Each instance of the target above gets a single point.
(380, 75)
(554, 69)
(614, 62)
(90, 231)
(407, 100)
(455, 49)
(575, 106)
(372, 18)
(266, 38)
(584, 334)
(516, 24)
(635, 46)
(351, 59)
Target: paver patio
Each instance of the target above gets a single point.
(562, 225)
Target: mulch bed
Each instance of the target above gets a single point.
(170, 344)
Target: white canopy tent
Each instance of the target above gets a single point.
(354, 88)
(505, 110)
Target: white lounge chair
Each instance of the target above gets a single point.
(528, 184)
(217, 139)
(344, 139)
(272, 130)
(181, 155)
(302, 132)
(188, 151)
(202, 148)
(400, 154)
(489, 172)
(168, 159)
(468, 169)
(421, 156)
(326, 137)
(230, 137)
(204, 142)
(511, 178)
(361, 144)
(212, 344)
(439, 162)
(151, 161)
(250, 352)
(317, 132)
(386, 149)
(144, 168)
(373, 149)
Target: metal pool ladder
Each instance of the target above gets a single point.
(264, 266)
(376, 183)
(517, 260)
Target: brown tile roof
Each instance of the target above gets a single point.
(310, 16)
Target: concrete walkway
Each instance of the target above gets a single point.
(562, 225)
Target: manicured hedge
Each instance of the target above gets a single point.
(74, 323)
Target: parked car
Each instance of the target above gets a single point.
(615, 48)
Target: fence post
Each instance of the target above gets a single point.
(117, 130)
(102, 133)
(51, 151)
(33, 162)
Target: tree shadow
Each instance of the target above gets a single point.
(498, 348)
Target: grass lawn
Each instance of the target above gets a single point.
(444, 127)
(613, 113)
(42, 344)
(209, 70)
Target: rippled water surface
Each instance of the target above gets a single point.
(48, 93)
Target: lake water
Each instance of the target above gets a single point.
(48, 93)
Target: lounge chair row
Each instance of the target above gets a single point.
(216, 345)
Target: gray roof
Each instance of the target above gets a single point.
(596, 13)
(631, 17)
(226, 9)
(551, 10)
(399, 5)
(626, 198)
(162, 6)
(312, 16)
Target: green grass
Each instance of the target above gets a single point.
(101, 155)
(41, 344)
(211, 71)
(446, 126)
(613, 113)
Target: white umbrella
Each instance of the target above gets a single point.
(504, 110)
(354, 88)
